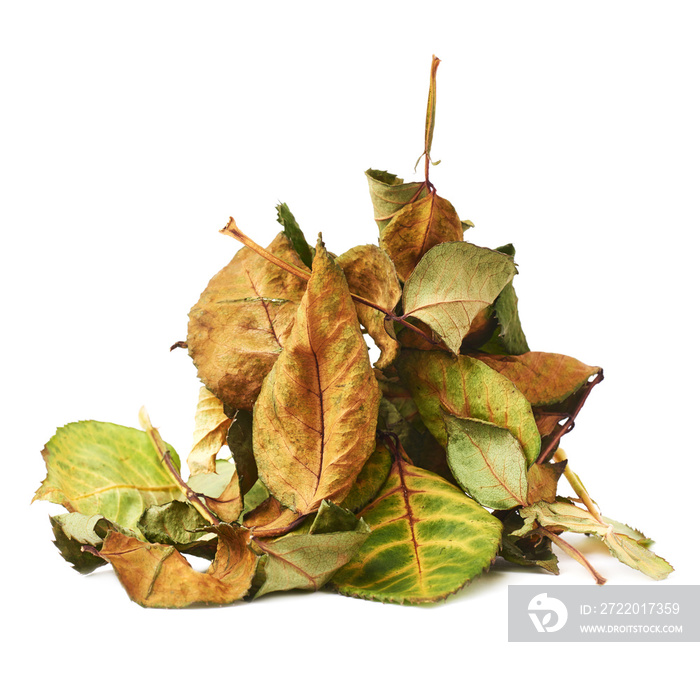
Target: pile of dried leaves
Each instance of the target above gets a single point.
(399, 483)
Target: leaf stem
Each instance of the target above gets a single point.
(231, 229)
(573, 553)
(165, 457)
(548, 450)
(577, 486)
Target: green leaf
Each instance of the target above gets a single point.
(487, 461)
(369, 480)
(451, 284)
(389, 194)
(294, 234)
(428, 541)
(508, 337)
(240, 442)
(72, 531)
(416, 229)
(104, 469)
(307, 558)
(467, 388)
(180, 525)
(564, 515)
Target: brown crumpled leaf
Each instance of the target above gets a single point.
(270, 519)
(371, 274)
(158, 576)
(240, 323)
(211, 426)
(315, 419)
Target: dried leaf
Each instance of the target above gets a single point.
(417, 228)
(270, 519)
(74, 530)
(544, 378)
(211, 425)
(428, 541)
(389, 194)
(487, 461)
(467, 388)
(307, 558)
(178, 524)
(565, 516)
(241, 321)
(371, 274)
(542, 480)
(314, 422)
(221, 490)
(451, 284)
(158, 576)
(104, 469)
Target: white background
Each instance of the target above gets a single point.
(131, 131)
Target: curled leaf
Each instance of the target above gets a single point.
(158, 576)
(390, 193)
(451, 284)
(211, 426)
(371, 274)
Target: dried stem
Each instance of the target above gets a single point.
(573, 553)
(577, 486)
(165, 457)
(548, 450)
(231, 229)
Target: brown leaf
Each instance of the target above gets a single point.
(158, 576)
(211, 425)
(315, 419)
(229, 504)
(544, 377)
(270, 518)
(418, 227)
(241, 321)
(371, 274)
(542, 481)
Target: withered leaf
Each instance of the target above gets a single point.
(239, 325)
(369, 480)
(315, 419)
(158, 576)
(452, 284)
(270, 518)
(417, 228)
(542, 480)
(220, 490)
(390, 193)
(307, 558)
(371, 274)
(544, 378)
(178, 524)
(211, 426)
(294, 234)
(74, 530)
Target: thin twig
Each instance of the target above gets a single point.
(165, 457)
(573, 553)
(578, 487)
